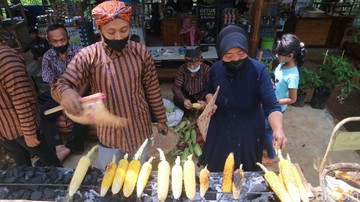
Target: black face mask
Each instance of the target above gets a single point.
(61, 49)
(233, 68)
(116, 44)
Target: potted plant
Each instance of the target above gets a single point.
(335, 71)
(309, 79)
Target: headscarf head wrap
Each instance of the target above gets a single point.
(232, 39)
(110, 10)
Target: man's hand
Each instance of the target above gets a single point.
(187, 104)
(31, 141)
(162, 128)
(279, 140)
(70, 101)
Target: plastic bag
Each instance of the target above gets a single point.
(173, 113)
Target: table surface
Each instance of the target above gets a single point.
(172, 53)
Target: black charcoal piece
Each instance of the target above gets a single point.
(32, 187)
(30, 172)
(18, 194)
(36, 180)
(11, 179)
(10, 172)
(2, 175)
(36, 195)
(67, 179)
(26, 194)
(53, 175)
(60, 175)
(49, 194)
(3, 192)
(87, 180)
(3, 167)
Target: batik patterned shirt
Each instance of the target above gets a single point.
(18, 107)
(130, 82)
(53, 66)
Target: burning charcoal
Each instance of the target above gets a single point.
(36, 195)
(10, 179)
(87, 180)
(49, 194)
(18, 194)
(26, 194)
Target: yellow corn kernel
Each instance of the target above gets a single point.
(299, 183)
(204, 181)
(108, 177)
(163, 177)
(80, 171)
(143, 177)
(228, 173)
(176, 178)
(275, 184)
(120, 174)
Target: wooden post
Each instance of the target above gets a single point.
(255, 27)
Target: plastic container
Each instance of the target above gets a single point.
(267, 42)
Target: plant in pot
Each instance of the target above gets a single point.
(335, 71)
(309, 79)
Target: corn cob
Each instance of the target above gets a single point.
(275, 184)
(189, 178)
(287, 176)
(299, 183)
(227, 174)
(281, 179)
(133, 172)
(196, 105)
(238, 179)
(80, 171)
(120, 174)
(163, 177)
(108, 177)
(204, 181)
(176, 179)
(347, 178)
(143, 177)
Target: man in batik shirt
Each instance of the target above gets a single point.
(125, 72)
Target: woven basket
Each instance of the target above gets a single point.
(329, 171)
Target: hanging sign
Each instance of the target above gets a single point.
(208, 13)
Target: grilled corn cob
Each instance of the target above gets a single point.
(176, 179)
(143, 177)
(287, 176)
(227, 174)
(204, 181)
(347, 178)
(133, 172)
(108, 177)
(80, 171)
(163, 177)
(275, 184)
(299, 183)
(238, 179)
(189, 178)
(120, 174)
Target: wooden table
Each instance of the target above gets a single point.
(167, 59)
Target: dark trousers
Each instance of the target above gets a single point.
(18, 149)
(51, 132)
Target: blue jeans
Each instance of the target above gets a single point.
(268, 143)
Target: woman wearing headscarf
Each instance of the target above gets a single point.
(190, 35)
(125, 72)
(246, 91)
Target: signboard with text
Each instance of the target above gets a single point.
(208, 14)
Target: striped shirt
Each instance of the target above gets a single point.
(129, 80)
(18, 107)
(190, 85)
(53, 66)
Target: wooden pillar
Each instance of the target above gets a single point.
(256, 19)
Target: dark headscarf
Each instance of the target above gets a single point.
(232, 37)
(193, 53)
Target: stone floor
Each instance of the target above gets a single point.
(307, 129)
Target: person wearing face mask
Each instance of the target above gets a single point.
(190, 80)
(246, 91)
(54, 64)
(290, 53)
(122, 69)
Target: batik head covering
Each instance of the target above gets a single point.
(110, 10)
(232, 39)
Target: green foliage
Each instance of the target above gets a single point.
(338, 71)
(27, 2)
(309, 79)
(356, 36)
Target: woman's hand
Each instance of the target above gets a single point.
(70, 101)
(187, 104)
(279, 139)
